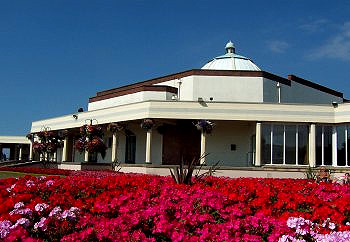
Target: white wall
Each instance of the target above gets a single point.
(226, 133)
(78, 157)
(186, 87)
(228, 88)
(156, 148)
(129, 98)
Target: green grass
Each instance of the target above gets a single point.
(7, 174)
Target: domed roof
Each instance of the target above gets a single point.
(231, 61)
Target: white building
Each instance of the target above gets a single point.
(260, 118)
(17, 148)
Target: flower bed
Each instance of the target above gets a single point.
(130, 207)
(59, 172)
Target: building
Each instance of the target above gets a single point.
(17, 148)
(260, 119)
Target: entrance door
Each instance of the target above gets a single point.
(130, 147)
(180, 141)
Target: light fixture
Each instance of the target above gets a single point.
(75, 116)
(174, 97)
(335, 104)
(200, 100)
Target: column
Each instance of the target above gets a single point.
(114, 147)
(334, 146)
(31, 150)
(86, 157)
(0, 152)
(65, 149)
(312, 145)
(148, 146)
(258, 144)
(54, 158)
(20, 152)
(203, 150)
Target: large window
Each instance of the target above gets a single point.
(284, 144)
(343, 145)
(327, 151)
(341, 152)
(323, 145)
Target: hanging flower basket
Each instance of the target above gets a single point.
(204, 126)
(115, 127)
(48, 141)
(30, 136)
(147, 123)
(91, 131)
(91, 140)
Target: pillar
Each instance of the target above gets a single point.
(203, 148)
(258, 144)
(54, 158)
(148, 146)
(0, 152)
(334, 146)
(312, 145)
(114, 147)
(86, 157)
(20, 152)
(31, 150)
(65, 149)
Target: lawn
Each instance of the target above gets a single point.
(7, 174)
(110, 206)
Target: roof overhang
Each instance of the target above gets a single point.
(195, 110)
(14, 140)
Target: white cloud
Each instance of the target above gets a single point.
(315, 25)
(337, 47)
(277, 46)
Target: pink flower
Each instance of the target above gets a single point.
(41, 207)
(41, 224)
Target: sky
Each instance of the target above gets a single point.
(56, 54)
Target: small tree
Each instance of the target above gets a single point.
(184, 173)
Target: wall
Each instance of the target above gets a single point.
(129, 98)
(226, 133)
(186, 87)
(156, 152)
(270, 91)
(228, 88)
(298, 93)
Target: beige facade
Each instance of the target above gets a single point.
(260, 119)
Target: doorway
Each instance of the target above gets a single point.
(180, 141)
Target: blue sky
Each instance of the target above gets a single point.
(54, 55)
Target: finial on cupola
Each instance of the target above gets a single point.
(230, 48)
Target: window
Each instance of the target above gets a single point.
(341, 153)
(290, 144)
(284, 144)
(266, 143)
(303, 144)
